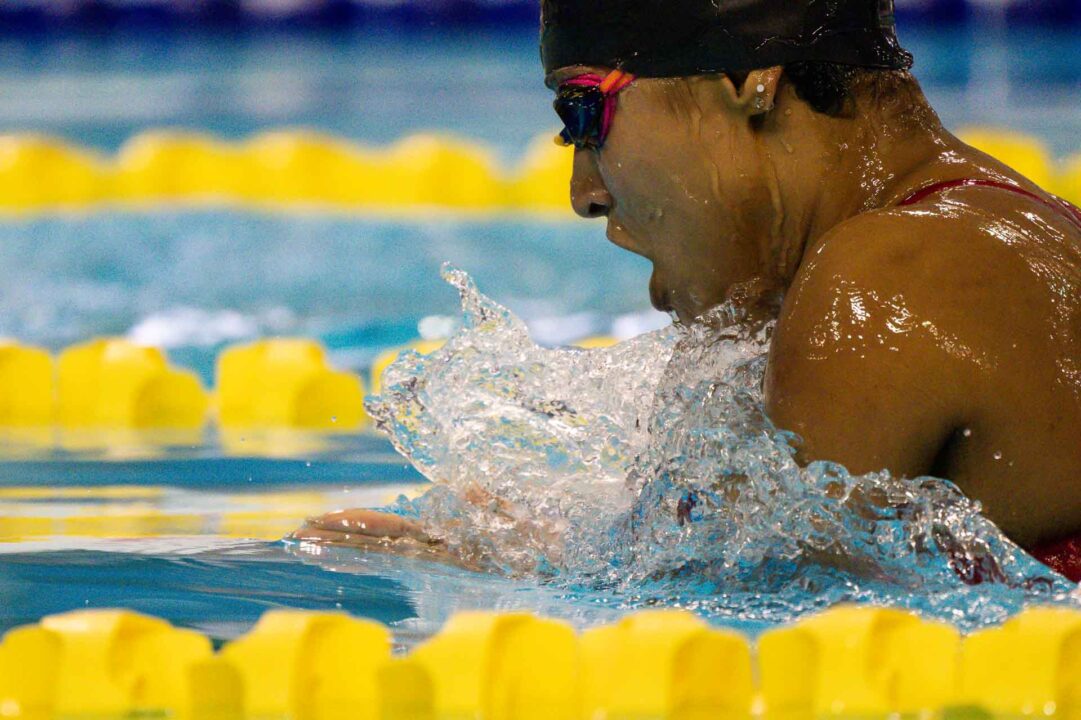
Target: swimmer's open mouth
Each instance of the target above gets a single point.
(618, 237)
(659, 296)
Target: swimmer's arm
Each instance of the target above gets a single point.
(374, 531)
(852, 370)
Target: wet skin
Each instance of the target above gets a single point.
(941, 338)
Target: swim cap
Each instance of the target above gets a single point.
(678, 38)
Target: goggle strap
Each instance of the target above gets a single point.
(615, 81)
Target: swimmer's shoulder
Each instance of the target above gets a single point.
(905, 324)
(970, 266)
(906, 298)
(858, 346)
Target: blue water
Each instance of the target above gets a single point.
(363, 284)
(360, 285)
(194, 281)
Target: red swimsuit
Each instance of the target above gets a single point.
(1063, 556)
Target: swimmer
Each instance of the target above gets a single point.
(778, 154)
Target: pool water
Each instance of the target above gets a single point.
(185, 527)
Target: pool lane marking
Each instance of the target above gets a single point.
(34, 513)
(106, 492)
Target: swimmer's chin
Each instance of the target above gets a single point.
(660, 298)
(667, 302)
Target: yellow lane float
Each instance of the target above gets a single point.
(115, 383)
(665, 664)
(307, 167)
(38, 172)
(287, 168)
(1069, 185)
(1031, 666)
(542, 179)
(159, 166)
(125, 512)
(653, 665)
(858, 662)
(111, 392)
(300, 168)
(1024, 153)
(502, 666)
(286, 382)
(26, 385)
(102, 663)
(425, 170)
(310, 666)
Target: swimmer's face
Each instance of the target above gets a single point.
(667, 195)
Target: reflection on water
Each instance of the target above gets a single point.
(219, 588)
(649, 473)
(435, 591)
(121, 444)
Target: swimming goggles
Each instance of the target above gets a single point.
(586, 104)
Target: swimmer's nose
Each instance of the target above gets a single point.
(589, 196)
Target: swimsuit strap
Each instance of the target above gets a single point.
(1063, 557)
(1055, 203)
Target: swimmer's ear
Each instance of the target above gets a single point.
(755, 95)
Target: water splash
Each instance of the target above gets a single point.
(650, 471)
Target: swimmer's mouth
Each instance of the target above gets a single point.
(660, 298)
(617, 237)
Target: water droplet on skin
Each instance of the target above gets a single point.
(967, 432)
(997, 455)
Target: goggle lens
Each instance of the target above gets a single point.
(586, 105)
(581, 108)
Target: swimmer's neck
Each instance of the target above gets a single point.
(830, 169)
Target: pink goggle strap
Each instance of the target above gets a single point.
(610, 85)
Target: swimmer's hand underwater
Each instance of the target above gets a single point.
(386, 532)
(373, 530)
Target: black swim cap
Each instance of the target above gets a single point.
(679, 38)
